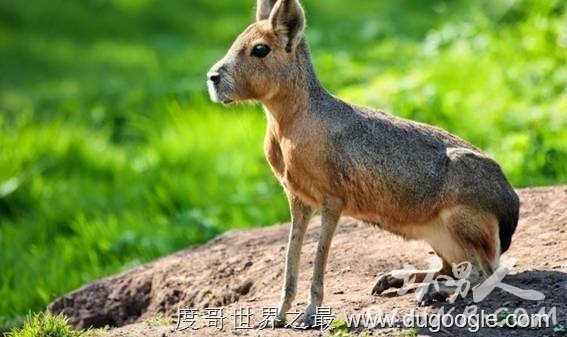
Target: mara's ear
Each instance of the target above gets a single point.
(288, 20)
(264, 8)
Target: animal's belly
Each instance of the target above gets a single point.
(389, 204)
(408, 230)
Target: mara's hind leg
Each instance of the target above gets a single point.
(445, 246)
(396, 279)
(474, 250)
(462, 237)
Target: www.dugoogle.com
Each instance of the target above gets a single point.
(471, 318)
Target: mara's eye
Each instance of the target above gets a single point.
(260, 50)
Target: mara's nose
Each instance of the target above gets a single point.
(214, 77)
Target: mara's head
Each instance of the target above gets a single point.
(266, 57)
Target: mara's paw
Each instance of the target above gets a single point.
(308, 319)
(383, 283)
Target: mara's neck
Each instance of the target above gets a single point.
(298, 95)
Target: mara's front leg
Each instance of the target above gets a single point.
(300, 215)
(330, 214)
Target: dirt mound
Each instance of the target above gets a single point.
(244, 269)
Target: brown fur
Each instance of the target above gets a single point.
(409, 178)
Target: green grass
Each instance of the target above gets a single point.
(47, 325)
(411, 332)
(339, 328)
(111, 154)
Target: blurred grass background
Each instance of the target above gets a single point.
(112, 155)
